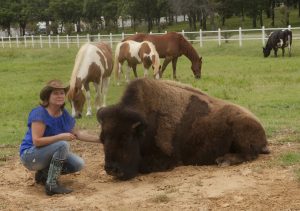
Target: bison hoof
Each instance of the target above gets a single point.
(222, 162)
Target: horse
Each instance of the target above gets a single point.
(136, 53)
(171, 46)
(278, 39)
(93, 63)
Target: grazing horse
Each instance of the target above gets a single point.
(93, 63)
(171, 46)
(278, 39)
(136, 53)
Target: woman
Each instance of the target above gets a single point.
(45, 147)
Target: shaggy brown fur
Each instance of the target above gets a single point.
(171, 46)
(162, 124)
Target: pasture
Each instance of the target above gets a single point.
(269, 87)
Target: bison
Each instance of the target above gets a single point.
(158, 125)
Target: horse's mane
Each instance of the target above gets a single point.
(75, 71)
(187, 49)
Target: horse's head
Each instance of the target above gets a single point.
(77, 100)
(266, 52)
(196, 67)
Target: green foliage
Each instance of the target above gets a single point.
(290, 158)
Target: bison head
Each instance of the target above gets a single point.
(122, 131)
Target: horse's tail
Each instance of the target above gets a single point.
(116, 62)
(78, 61)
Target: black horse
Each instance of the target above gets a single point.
(278, 39)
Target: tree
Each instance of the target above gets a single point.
(67, 11)
(6, 15)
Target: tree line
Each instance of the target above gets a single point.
(96, 15)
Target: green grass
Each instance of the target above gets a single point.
(269, 87)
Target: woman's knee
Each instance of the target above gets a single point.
(62, 151)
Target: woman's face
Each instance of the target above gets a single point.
(57, 97)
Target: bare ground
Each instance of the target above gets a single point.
(259, 185)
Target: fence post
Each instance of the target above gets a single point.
(9, 41)
(2, 42)
(68, 46)
(17, 39)
(240, 36)
(219, 36)
(182, 32)
(49, 41)
(58, 44)
(289, 27)
(111, 41)
(166, 32)
(41, 41)
(263, 35)
(99, 38)
(200, 38)
(77, 41)
(32, 41)
(25, 41)
(88, 38)
(123, 36)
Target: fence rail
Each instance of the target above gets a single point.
(219, 36)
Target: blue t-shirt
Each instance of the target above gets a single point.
(54, 125)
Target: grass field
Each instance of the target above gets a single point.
(269, 87)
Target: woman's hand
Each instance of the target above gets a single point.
(67, 136)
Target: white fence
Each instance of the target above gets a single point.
(220, 36)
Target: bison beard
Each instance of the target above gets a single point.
(159, 125)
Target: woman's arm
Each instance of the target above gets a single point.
(85, 136)
(38, 129)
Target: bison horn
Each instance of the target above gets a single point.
(136, 124)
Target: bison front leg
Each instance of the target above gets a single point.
(233, 159)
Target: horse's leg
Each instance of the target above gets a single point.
(105, 83)
(119, 72)
(88, 100)
(165, 64)
(282, 51)
(134, 71)
(145, 72)
(174, 62)
(98, 93)
(127, 74)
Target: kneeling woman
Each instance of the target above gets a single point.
(45, 147)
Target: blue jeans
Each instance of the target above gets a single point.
(39, 158)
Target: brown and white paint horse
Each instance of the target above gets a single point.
(93, 63)
(136, 53)
(171, 46)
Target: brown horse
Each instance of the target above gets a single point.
(93, 63)
(136, 53)
(171, 46)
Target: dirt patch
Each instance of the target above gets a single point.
(261, 185)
